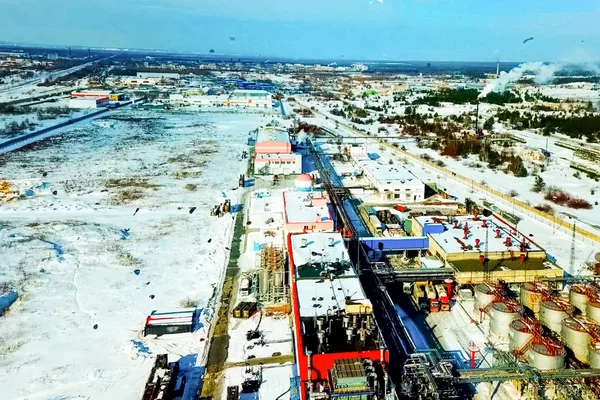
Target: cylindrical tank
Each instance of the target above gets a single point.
(578, 298)
(594, 356)
(501, 315)
(552, 313)
(531, 297)
(278, 279)
(519, 334)
(304, 183)
(593, 311)
(484, 295)
(544, 356)
(576, 337)
(265, 275)
(430, 292)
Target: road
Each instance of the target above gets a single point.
(41, 134)
(42, 76)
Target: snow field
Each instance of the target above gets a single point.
(84, 258)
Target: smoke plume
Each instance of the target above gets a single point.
(543, 73)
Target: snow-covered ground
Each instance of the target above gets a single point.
(275, 381)
(276, 337)
(90, 269)
(39, 123)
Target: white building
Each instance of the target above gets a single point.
(394, 182)
(88, 102)
(239, 98)
(277, 164)
(158, 75)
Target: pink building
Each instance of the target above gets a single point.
(273, 141)
(306, 212)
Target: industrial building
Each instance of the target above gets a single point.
(392, 181)
(306, 212)
(251, 98)
(465, 242)
(158, 75)
(94, 98)
(89, 102)
(273, 153)
(339, 349)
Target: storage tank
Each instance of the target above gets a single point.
(430, 292)
(484, 295)
(278, 279)
(593, 311)
(547, 355)
(265, 275)
(304, 183)
(553, 312)
(531, 297)
(520, 333)
(578, 297)
(594, 355)
(576, 337)
(501, 315)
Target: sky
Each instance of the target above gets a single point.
(436, 30)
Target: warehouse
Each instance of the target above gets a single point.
(273, 153)
(88, 102)
(251, 98)
(394, 182)
(158, 75)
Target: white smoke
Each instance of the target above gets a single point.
(542, 73)
(302, 137)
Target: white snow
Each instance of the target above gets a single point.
(50, 346)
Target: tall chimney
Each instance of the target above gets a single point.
(498, 68)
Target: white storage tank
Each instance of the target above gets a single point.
(304, 183)
(578, 297)
(531, 297)
(594, 356)
(520, 333)
(502, 313)
(484, 295)
(593, 311)
(547, 355)
(553, 312)
(576, 337)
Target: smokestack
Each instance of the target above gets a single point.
(498, 68)
(477, 118)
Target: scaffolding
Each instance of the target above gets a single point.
(270, 265)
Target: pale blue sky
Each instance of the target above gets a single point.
(459, 30)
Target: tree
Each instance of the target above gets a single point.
(538, 184)
(489, 124)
